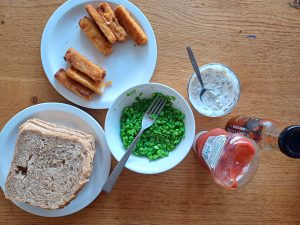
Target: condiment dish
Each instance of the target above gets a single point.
(222, 90)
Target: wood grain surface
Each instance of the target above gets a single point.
(268, 67)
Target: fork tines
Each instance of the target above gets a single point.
(156, 106)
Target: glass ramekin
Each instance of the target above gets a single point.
(235, 82)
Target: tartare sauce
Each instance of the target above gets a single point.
(223, 90)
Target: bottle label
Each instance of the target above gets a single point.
(249, 127)
(212, 150)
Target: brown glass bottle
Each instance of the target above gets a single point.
(268, 134)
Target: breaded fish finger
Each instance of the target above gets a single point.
(109, 17)
(131, 26)
(95, 36)
(82, 64)
(73, 86)
(84, 80)
(101, 24)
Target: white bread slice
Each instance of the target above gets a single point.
(50, 166)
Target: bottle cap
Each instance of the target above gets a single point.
(196, 138)
(289, 141)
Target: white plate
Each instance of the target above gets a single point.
(142, 164)
(74, 118)
(126, 67)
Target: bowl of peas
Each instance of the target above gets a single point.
(162, 146)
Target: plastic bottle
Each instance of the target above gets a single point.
(231, 159)
(268, 134)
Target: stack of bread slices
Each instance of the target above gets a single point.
(50, 166)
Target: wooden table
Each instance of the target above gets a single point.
(268, 67)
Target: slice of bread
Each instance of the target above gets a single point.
(50, 166)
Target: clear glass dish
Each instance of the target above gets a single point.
(233, 95)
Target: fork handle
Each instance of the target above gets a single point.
(111, 180)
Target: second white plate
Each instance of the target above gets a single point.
(126, 67)
(69, 116)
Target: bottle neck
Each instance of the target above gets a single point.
(264, 132)
(269, 135)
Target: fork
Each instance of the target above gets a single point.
(155, 108)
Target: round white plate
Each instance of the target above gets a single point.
(142, 164)
(126, 67)
(69, 116)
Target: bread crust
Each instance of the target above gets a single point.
(79, 62)
(131, 26)
(75, 87)
(111, 20)
(101, 24)
(95, 36)
(49, 129)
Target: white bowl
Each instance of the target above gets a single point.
(142, 164)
